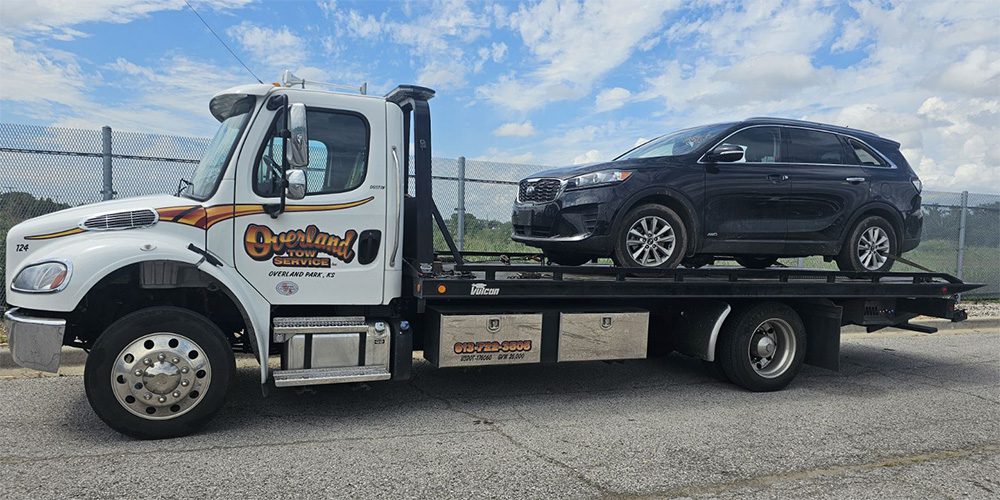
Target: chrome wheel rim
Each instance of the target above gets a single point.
(161, 376)
(772, 348)
(873, 248)
(650, 241)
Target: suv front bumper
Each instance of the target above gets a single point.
(34, 342)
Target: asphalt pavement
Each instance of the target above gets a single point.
(908, 415)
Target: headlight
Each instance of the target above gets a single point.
(49, 276)
(597, 178)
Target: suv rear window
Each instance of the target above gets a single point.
(813, 146)
(864, 156)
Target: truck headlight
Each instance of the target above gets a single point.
(50, 276)
(597, 179)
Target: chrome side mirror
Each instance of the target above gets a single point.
(296, 179)
(727, 153)
(297, 146)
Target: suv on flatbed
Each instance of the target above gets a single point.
(755, 190)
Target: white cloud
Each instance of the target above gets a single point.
(524, 129)
(978, 73)
(34, 74)
(54, 17)
(574, 45)
(610, 99)
(272, 47)
(851, 36)
(591, 156)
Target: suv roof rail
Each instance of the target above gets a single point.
(791, 121)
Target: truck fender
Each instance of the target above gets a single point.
(100, 254)
(698, 328)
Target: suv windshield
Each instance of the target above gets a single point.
(209, 171)
(676, 143)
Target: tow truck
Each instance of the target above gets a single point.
(297, 238)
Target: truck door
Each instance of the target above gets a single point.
(327, 247)
(746, 201)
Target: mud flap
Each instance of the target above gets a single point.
(822, 321)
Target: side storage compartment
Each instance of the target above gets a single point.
(461, 339)
(330, 350)
(587, 336)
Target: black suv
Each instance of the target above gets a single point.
(756, 190)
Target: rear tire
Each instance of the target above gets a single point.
(158, 373)
(751, 262)
(869, 247)
(651, 237)
(761, 348)
(567, 259)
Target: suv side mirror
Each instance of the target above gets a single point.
(297, 146)
(296, 182)
(726, 153)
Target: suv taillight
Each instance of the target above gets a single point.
(917, 184)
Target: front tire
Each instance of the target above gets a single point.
(159, 372)
(869, 247)
(567, 259)
(762, 347)
(650, 236)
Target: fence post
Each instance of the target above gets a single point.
(106, 189)
(461, 203)
(961, 235)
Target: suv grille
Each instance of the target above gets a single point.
(121, 220)
(538, 190)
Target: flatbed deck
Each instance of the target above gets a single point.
(498, 281)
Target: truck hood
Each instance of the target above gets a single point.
(70, 218)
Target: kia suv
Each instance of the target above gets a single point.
(755, 191)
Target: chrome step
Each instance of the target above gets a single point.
(286, 327)
(317, 376)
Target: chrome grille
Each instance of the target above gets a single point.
(538, 190)
(121, 220)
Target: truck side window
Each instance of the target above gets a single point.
(338, 155)
(760, 144)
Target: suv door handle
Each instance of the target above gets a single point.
(777, 178)
(855, 180)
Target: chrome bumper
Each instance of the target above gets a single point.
(34, 342)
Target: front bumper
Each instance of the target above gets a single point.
(34, 342)
(578, 221)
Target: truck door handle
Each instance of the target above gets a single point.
(776, 178)
(855, 180)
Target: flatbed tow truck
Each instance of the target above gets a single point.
(268, 252)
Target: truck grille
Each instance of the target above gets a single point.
(121, 220)
(538, 190)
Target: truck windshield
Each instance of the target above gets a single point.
(676, 143)
(208, 173)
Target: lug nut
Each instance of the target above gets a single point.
(147, 361)
(148, 396)
(175, 360)
(138, 373)
(184, 370)
(176, 394)
(184, 383)
(161, 356)
(162, 399)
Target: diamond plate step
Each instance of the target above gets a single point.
(317, 376)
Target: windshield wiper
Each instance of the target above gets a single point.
(182, 185)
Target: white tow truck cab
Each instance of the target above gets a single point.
(295, 237)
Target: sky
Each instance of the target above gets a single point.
(548, 82)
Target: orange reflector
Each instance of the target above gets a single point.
(442, 289)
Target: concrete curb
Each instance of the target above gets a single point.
(72, 356)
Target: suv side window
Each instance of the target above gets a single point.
(760, 144)
(338, 154)
(813, 146)
(863, 155)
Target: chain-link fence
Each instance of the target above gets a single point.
(43, 169)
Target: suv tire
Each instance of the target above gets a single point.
(869, 247)
(652, 237)
(751, 262)
(567, 259)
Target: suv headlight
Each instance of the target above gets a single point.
(50, 276)
(597, 179)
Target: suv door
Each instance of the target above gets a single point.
(746, 201)
(827, 187)
(327, 247)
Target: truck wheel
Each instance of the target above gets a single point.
(869, 246)
(568, 259)
(752, 262)
(159, 372)
(762, 347)
(651, 236)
